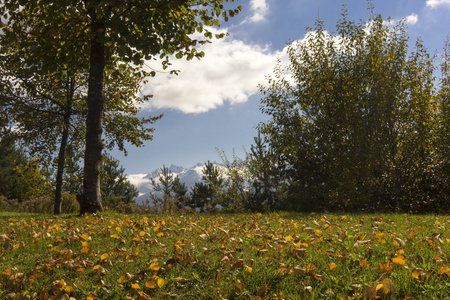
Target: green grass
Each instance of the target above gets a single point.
(224, 256)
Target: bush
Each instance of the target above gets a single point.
(43, 204)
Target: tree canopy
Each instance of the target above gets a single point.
(353, 117)
(100, 37)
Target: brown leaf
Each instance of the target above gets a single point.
(262, 292)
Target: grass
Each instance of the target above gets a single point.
(234, 256)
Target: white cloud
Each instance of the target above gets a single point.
(230, 71)
(410, 20)
(436, 3)
(259, 9)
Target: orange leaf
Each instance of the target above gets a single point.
(364, 264)
(121, 279)
(240, 287)
(151, 285)
(419, 274)
(385, 268)
(310, 267)
(316, 276)
(331, 266)
(399, 260)
(444, 270)
(135, 286)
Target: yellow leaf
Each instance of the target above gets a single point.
(331, 266)
(151, 285)
(84, 236)
(96, 267)
(399, 260)
(154, 266)
(310, 267)
(160, 234)
(385, 268)
(411, 234)
(104, 256)
(116, 236)
(240, 287)
(90, 297)
(121, 279)
(161, 282)
(248, 269)
(416, 273)
(288, 238)
(444, 270)
(135, 286)
(85, 247)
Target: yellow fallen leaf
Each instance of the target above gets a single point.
(104, 256)
(331, 266)
(385, 268)
(151, 285)
(154, 266)
(444, 270)
(135, 286)
(161, 282)
(84, 236)
(121, 279)
(248, 269)
(399, 260)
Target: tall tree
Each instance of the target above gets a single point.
(109, 32)
(48, 110)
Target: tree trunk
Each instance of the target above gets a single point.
(62, 148)
(60, 169)
(90, 201)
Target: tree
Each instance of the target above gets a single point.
(204, 193)
(266, 171)
(174, 193)
(20, 177)
(48, 110)
(346, 113)
(107, 33)
(116, 189)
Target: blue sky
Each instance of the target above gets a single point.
(214, 103)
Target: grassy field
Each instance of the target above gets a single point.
(235, 256)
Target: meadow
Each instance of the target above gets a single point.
(224, 256)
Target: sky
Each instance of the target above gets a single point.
(214, 103)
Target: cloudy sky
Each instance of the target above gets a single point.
(214, 102)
